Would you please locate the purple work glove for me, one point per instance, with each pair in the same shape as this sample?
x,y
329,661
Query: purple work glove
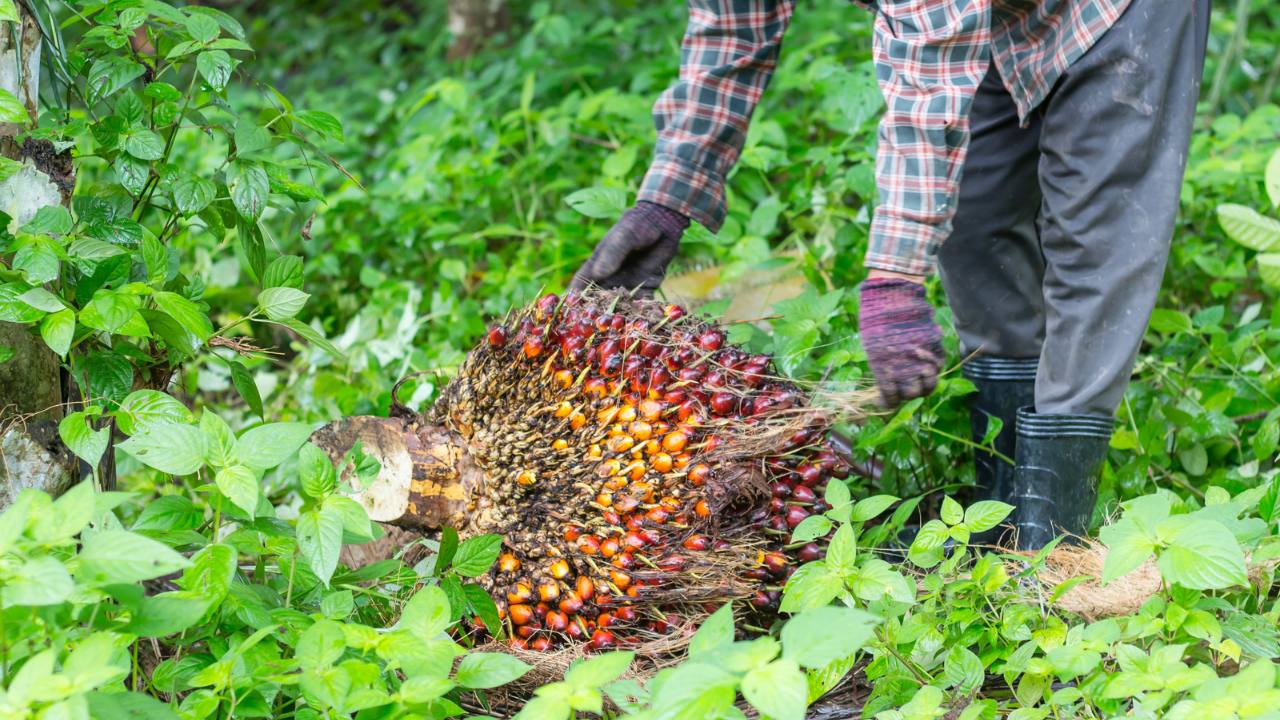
x,y
636,251
903,343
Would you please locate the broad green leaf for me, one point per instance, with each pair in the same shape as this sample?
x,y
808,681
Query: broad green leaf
x,y
778,690
215,67
168,613
282,303
321,645
1272,179
246,386
168,446
871,507
424,689
818,637
144,407
249,188
104,376
193,194
14,310
117,556
477,554
284,271
144,144
37,581
812,585
320,541
1269,268
87,444
41,299
316,472
320,121
313,336
963,670
49,220
171,512
203,28
355,519
240,485
1203,555
266,446
986,514
814,526
109,74
427,613
58,329
952,513
716,631
8,11
212,571
482,671
1249,227
1127,548
599,671
11,109
186,313
877,579
599,202
842,552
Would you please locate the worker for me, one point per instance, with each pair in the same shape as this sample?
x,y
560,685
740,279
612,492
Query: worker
x,y
1030,150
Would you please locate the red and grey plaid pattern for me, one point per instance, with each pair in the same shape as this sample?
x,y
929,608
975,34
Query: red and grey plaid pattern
x,y
930,57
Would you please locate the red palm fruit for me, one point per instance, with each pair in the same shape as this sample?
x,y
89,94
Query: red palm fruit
x,y
777,505
620,580
610,365
585,588
635,522
520,593
497,336
624,561
674,312
781,490
572,533
778,523
650,349
626,613
809,474
606,619
702,509
711,340
761,600
796,515
697,542
672,563
723,403
575,630
657,515
559,569
626,503
756,573
520,614
650,410
556,621
775,562
540,610
609,547
518,643
662,462
601,640
699,473
540,644
547,303
610,516
809,553
589,545
532,347
650,535
508,563
675,441
570,605
549,592
595,387
617,323
803,494
634,540
641,430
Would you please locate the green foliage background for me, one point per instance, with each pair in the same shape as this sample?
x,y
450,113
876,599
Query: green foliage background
x,y
319,181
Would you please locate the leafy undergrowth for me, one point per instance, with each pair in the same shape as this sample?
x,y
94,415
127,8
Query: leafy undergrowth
x,y
367,218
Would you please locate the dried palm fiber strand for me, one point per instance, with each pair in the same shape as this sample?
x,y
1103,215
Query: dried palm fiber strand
x,y
641,470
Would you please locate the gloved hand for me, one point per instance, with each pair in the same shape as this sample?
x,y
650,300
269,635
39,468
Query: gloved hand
x,y
903,343
636,251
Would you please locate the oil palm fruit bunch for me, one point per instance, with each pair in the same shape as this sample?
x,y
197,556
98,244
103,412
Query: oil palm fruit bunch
x,y
639,467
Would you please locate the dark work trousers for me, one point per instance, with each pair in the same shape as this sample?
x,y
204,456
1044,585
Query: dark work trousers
x,y
1062,230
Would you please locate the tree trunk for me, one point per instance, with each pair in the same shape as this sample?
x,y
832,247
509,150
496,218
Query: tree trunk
x,y
471,22
31,396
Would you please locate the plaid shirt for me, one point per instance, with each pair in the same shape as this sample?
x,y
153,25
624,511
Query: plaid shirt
x,y
930,56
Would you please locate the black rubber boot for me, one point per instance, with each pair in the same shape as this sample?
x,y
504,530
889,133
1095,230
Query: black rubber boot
x,y
1055,480
1004,385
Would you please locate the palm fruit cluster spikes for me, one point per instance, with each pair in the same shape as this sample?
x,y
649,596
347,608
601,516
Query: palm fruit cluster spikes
x,y
606,427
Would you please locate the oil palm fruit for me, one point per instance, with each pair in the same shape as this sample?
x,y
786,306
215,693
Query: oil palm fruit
x,y
637,464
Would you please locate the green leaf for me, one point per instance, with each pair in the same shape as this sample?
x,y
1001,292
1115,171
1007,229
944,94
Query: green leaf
x,y
1269,268
282,303
193,194
52,220
1170,322
144,144
58,330
168,613
871,507
952,513
171,512
818,637
877,579
814,526
477,554
316,472
313,336
599,671
144,407
427,613
1249,227
168,446
203,28
109,74
8,11
37,581
240,485
212,571
11,109
778,690
842,552
1272,179
963,670
715,632
186,313
320,121
812,585
483,671
1127,548
599,202
284,271
117,556
321,645
249,188
215,67
246,386
1203,555
104,377
320,541
266,446
14,310
424,689
986,514
355,519
87,444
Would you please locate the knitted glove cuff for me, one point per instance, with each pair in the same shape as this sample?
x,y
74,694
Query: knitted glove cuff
x,y
670,222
